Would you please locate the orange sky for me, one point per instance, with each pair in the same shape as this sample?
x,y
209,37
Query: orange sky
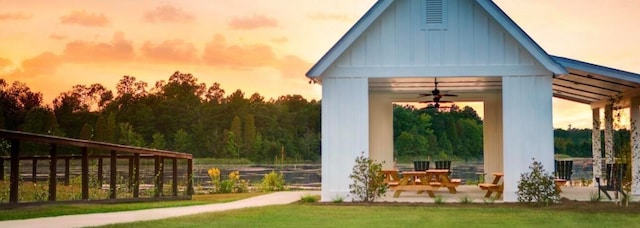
x,y
260,46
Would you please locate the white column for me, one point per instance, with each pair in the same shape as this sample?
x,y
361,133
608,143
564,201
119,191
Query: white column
x,y
608,134
635,142
596,145
492,135
527,127
381,130
345,132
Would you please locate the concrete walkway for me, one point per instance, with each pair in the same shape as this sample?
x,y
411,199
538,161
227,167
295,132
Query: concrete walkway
x,y
99,219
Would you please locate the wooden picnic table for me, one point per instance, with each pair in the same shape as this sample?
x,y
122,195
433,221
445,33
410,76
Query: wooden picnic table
x,y
414,181
441,177
495,186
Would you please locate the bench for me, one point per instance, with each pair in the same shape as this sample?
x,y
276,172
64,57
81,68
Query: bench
x,y
491,188
419,188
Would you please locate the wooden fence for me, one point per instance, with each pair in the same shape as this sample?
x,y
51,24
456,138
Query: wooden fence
x,y
132,154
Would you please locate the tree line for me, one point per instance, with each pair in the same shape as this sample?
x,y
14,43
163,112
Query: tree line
x,y
182,114
179,114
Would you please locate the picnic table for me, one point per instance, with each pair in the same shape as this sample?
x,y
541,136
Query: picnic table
x,y
441,177
495,186
414,181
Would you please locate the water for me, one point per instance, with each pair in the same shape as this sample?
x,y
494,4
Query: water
x,y
296,175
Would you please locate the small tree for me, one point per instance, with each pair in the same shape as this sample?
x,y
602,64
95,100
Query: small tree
x,y
368,180
537,186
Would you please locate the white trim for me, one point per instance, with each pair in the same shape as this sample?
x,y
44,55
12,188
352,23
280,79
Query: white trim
x,y
439,71
597,69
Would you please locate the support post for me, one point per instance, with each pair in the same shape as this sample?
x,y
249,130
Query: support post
x,y
34,169
158,176
174,176
190,176
130,179
596,146
53,171
67,160
113,180
1,168
15,171
85,174
608,134
136,175
100,171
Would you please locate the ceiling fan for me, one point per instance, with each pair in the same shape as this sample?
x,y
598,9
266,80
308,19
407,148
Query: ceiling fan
x,y
437,96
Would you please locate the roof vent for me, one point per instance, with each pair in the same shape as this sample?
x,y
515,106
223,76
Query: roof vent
x,y
433,14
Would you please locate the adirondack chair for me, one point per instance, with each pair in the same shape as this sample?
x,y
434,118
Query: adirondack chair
x,y
563,172
444,165
420,165
614,175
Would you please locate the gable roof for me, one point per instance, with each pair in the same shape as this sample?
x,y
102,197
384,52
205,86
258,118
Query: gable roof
x,y
381,6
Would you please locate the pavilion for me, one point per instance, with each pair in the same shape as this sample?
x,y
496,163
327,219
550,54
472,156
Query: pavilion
x,y
475,50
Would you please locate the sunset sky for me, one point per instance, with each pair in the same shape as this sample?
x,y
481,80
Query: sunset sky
x,y
260,46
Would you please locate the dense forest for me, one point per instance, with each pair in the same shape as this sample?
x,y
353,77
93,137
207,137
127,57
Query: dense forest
x,y
182,114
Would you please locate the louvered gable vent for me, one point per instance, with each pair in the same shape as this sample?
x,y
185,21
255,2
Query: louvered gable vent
x,y
433,14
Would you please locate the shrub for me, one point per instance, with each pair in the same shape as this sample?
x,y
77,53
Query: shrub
x,y
465,200
309,199
232,184
338,199
537,187
368,180
273,181
438,200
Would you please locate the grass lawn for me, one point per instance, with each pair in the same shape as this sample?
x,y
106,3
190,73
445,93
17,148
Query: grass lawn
x,y
69,209
472,215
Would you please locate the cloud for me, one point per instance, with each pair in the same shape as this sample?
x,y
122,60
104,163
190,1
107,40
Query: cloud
x,y
119,49
218,53
168,13
292,66
56,36
43,64
253,22
4,63
85,19
176,50
332,17
280,40
14,16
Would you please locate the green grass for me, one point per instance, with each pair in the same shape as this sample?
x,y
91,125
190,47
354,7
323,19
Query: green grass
x,y
305,215
70,209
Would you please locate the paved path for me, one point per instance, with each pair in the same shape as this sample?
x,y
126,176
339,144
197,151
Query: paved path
x,y
99,219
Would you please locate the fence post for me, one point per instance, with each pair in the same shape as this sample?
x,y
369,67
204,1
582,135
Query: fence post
x,y
85,174
67,160
158,176
130,179
189,176
113,174
34,169
1,168
53,171
136,175
174,182
15,171
100,171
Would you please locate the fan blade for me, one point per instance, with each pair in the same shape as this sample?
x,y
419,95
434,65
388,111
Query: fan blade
x,y
425,94
445,102
449,95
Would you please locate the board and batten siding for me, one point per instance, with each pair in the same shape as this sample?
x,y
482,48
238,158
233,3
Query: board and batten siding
x,y
345,132
527,127
472,43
